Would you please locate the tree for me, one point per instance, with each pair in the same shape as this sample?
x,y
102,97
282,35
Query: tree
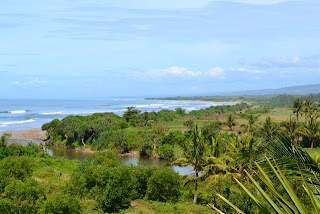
x,y
119,191
180,111
252,119
281,190
297,108
268,128
307,109
164,185
3,140
311,130
194,154
290,128
231,121
131,115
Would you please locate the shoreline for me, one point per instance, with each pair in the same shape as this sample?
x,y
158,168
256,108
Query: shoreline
x,y
24,136
37,136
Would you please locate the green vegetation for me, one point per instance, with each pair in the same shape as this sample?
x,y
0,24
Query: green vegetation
x,y
281,100
245,159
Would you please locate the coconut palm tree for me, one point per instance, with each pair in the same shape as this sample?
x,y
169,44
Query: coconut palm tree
x,y
307,109
297,163
231,121
297,108
311,130
268,128
290,128
194,154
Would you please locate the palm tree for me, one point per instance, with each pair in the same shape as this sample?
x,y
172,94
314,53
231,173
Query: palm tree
x,y
290,128
279,203
307,109
268,129
194,154
297,163
297,108
230,121
311,130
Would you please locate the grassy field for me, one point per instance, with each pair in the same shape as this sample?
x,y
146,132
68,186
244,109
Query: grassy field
x,y
277,115
153,207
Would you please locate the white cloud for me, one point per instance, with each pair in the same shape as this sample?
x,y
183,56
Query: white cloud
x,y
246,70
285,62
216,72
164,4
179,71
176,4
33,82
182,72
263,2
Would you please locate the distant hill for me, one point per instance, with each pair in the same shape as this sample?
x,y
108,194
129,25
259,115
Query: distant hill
x,y
295,90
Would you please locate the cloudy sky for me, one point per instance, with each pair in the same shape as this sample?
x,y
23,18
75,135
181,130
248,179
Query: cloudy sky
x,y
143,48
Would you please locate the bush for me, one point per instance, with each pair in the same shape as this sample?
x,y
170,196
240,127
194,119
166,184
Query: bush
x,y
61,204
164,185
119,190
22,197
167,152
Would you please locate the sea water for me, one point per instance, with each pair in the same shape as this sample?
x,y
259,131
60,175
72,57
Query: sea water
x,y
26,114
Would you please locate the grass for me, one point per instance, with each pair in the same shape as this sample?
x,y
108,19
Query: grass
x,y
313,152
154,207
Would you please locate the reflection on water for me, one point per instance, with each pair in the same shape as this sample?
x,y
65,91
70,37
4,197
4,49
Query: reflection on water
x,y
137,161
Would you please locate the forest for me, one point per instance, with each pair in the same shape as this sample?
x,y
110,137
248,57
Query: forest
x,y
246,159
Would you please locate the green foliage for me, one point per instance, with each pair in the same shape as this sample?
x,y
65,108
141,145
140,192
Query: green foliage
x,y
225,186
211,130
189,124
3,143
82,129
219,109
173,138
259,110
119,191
131,115
155,207
164,185
180,111
61,204
23,196
14,167
167,152
231,121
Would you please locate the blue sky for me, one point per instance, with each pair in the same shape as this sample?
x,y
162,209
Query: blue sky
x,y
148,48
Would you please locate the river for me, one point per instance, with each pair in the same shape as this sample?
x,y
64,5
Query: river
x,y
137,161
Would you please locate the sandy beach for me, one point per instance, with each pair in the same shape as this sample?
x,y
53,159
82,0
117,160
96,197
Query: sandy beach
x,y
26,135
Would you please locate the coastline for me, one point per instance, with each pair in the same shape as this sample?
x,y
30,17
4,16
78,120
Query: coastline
x,y
37,136
24,136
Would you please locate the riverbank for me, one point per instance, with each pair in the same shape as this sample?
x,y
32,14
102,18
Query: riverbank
x,y
38,136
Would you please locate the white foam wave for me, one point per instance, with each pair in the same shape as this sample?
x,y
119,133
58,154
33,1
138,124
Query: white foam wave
x,y
16,122
51,113
139,106
18,112
156,104
190,108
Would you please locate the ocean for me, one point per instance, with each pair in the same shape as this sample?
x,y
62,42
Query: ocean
x,y
27,114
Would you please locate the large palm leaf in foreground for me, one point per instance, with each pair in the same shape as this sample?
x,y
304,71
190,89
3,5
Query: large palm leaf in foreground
x,y
291,161
279,203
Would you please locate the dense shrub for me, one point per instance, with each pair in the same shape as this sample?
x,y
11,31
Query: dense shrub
x,y
61,204
164,185
167,152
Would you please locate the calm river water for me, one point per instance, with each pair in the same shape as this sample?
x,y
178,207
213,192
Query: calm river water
x,y
137,161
